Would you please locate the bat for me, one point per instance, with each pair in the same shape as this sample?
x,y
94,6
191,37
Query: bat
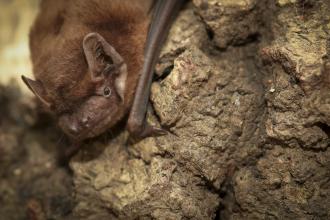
x,y
93,62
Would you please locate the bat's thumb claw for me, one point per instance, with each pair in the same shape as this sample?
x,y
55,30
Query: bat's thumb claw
x,y
147,130
153,131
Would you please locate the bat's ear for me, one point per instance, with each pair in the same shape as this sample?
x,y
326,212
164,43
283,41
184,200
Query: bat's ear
x,y
38,89
104,61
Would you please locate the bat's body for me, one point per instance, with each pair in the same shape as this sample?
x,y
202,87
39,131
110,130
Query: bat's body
x,y
93,61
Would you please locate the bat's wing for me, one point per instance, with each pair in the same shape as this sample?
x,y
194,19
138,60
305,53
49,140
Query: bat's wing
x,y
164,12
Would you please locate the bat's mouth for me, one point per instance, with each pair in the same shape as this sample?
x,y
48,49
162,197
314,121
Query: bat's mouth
x,y
79,127
92,118
80,130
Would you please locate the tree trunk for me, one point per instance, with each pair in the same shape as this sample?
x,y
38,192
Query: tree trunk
x,y
247,104
243,87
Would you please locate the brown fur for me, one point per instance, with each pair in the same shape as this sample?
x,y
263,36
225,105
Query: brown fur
x,y
56,45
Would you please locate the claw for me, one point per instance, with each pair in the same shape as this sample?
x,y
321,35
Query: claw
x,y
153,131
146,130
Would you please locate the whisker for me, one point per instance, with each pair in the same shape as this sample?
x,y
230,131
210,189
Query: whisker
x,y
60,139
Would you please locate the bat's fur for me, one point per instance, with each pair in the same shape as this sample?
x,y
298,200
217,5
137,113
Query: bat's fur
x,y
56,45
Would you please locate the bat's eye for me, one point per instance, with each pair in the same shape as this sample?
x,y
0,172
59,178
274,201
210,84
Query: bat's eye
x,y
107,92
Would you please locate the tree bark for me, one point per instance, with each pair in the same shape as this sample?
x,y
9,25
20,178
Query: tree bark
x,y
247,104
244,89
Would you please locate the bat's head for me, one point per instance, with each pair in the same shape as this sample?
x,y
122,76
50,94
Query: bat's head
x,y
92,101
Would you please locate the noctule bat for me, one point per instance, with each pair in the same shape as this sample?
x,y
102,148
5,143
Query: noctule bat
x,y
93,62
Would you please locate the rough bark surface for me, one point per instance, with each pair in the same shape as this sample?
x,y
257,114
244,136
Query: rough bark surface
x,y
247,104
32,184
244,89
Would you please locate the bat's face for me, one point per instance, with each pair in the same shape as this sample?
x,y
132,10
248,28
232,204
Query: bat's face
x,y
90,108
94,115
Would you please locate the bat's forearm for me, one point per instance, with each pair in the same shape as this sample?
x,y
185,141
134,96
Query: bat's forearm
x,y
164,13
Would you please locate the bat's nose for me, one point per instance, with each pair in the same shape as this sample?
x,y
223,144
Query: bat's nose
x,y
73,129
85,121
71,126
